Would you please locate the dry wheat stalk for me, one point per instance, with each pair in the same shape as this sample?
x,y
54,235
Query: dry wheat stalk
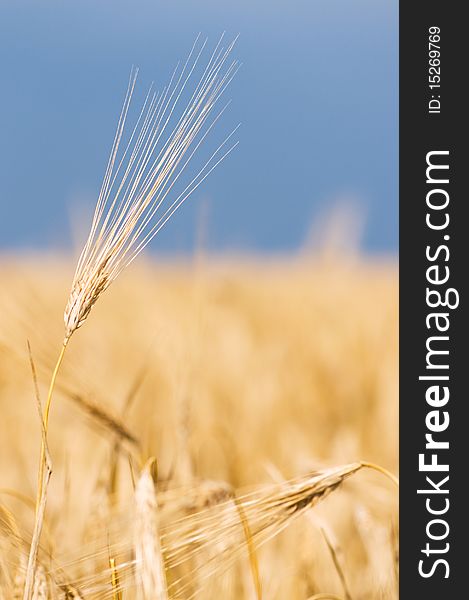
x,y
138,196
45,472
267,511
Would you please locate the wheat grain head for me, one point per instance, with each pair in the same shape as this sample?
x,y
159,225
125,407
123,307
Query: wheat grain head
x,y
149,562
138,193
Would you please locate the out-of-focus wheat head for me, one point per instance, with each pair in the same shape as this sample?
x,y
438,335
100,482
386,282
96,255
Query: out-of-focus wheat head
x,y
150,571
139,190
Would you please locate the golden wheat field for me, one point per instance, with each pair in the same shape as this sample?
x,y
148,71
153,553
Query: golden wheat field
x,y
257,385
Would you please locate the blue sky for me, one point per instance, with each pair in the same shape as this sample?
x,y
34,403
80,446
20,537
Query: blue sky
x,y
316,96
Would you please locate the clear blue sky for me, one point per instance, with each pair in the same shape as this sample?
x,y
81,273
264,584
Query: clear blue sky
x,y
316,96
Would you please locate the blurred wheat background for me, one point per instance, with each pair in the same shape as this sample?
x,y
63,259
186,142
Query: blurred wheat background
x,y
236,375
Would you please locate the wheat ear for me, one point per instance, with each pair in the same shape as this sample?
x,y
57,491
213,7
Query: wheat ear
x,y
149,562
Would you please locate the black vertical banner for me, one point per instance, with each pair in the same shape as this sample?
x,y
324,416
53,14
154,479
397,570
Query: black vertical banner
x,y
434,267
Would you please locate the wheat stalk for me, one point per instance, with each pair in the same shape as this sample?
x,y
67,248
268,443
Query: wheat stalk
x,y
267,512
138,196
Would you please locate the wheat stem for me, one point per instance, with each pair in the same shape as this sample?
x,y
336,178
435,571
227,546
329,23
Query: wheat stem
x,y
44,473
382,470
42,459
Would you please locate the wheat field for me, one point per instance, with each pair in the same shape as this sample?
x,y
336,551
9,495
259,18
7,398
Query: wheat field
x,y
206,432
